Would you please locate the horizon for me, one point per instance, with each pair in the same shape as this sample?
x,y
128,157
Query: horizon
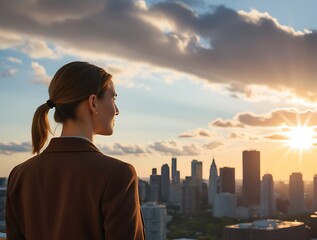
x,y
196,79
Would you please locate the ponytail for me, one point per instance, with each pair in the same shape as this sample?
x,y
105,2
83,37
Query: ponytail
x,y
71,84
40,127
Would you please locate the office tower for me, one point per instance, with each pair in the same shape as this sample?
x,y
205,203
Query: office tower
x,y
155,221
225,205
197,170
269,229
155,186
315,194
175,194
296,194
251,178
174,168
165,183
213,182
227,180
190,195
144,191
267,196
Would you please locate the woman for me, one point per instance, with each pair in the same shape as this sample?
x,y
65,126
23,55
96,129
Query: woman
x,y
71,190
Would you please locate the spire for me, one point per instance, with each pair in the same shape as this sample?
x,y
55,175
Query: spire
x,y
213,165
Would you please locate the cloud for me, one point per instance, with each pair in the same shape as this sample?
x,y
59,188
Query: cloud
x,y
277,136
8,73
222,46
38,49
11,148
40,73
119,149
14,60
275,118
213,145
225,123
198,133
174,148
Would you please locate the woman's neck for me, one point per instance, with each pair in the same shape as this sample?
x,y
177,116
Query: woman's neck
x,y
74,128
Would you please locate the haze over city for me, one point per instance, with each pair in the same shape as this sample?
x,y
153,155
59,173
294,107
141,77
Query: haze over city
x,y
196,79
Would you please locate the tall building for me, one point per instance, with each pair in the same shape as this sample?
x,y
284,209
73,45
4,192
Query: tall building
x,y
175,194
251,178
225,205
144,191
165,183
155,221
190,195
268,206
315,194
213,182
197,170
227,180
266,230
155,186
296,194
174,168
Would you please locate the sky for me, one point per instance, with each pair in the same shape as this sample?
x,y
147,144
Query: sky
x,y
196,79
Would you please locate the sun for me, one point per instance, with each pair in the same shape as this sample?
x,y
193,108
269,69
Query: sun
x,y
301,137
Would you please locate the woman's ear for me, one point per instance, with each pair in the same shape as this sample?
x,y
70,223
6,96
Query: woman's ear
x,y
92,101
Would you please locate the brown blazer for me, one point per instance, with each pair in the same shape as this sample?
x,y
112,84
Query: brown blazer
x,y
72,191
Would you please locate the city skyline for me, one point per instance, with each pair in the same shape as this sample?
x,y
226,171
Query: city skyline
x,y
195,79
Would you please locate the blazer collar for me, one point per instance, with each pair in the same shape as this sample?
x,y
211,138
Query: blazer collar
x,y
70,144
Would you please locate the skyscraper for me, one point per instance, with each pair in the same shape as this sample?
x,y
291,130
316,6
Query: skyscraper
x,y
213,182
268,206
251,178
155,221
190,195
155,186
227,180
174,168
175,194
296,194
165,183
197,170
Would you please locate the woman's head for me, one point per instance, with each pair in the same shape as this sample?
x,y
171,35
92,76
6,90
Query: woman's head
x,y
72,84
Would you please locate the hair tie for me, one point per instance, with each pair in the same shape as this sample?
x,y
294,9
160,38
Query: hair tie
x,y
50,103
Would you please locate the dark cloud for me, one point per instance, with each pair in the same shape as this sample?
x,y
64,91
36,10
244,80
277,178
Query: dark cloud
x,y
276,118
11,148
222,46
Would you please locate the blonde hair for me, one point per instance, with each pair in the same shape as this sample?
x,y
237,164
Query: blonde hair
x,y
72,83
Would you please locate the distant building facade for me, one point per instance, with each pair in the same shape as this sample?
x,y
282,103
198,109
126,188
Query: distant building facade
x,y
296,194
190,195
155,221
155,186
165,183
266,230
268,205
225,205
251,178
227,180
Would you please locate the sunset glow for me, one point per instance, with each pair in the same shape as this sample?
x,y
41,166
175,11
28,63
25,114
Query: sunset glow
x,y
301,137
